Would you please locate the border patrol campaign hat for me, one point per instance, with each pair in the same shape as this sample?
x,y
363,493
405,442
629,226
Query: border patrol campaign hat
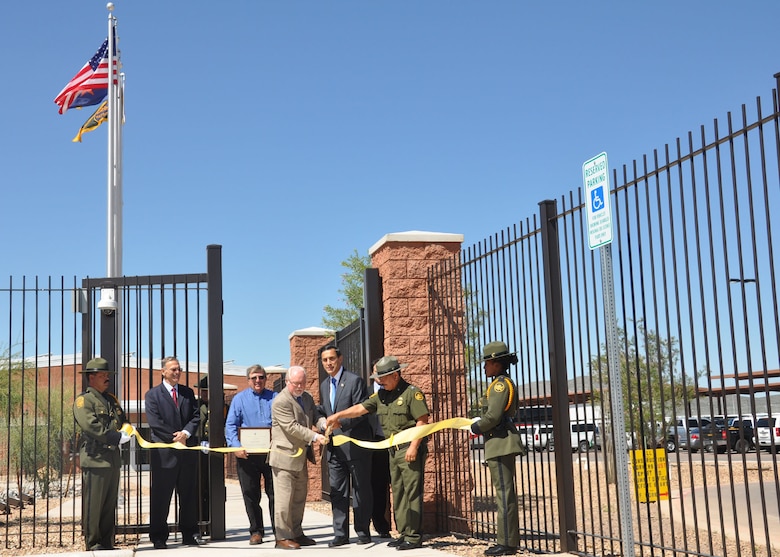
x,y
387,365
493,350
95,365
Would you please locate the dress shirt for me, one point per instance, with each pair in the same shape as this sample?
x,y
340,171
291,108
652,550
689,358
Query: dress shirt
x,y
248,409
170,388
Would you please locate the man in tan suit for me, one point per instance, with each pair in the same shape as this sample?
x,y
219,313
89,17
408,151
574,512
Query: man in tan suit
x,y
292,436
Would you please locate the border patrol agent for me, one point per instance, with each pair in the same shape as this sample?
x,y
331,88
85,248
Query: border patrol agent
x,y
399,406
99,416
498,407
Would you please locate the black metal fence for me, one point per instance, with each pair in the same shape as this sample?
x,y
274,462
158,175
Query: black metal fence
x,y
49,330
698,334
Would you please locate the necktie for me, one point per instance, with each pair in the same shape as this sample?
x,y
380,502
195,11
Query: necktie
x,y
332,393
300,401
175,397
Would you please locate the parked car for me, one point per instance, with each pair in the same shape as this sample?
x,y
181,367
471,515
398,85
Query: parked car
x,y
768,432
535,436
740,434
677,435
585,436
710,437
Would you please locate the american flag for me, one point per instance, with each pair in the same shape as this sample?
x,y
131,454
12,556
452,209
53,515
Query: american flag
x,y
89,86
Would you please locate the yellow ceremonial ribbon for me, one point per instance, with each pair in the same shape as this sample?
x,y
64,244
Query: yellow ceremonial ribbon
x,y
407,435
131,430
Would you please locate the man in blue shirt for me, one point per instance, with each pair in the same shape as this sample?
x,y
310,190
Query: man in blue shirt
x,y
252,408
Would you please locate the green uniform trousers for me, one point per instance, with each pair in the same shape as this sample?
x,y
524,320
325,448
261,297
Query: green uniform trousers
x,y
502,474
98,511
406,479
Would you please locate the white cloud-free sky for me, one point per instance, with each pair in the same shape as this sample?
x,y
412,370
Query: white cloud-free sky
x,y
292,132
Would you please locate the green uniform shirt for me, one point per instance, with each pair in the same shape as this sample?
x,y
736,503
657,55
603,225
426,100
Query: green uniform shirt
x,y
398,409
498,406
99,416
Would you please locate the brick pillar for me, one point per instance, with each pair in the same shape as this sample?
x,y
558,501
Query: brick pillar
x,y
403,260
304,344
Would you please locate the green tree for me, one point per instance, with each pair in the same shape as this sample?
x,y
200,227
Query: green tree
x,y
352,282
37,424
654,389
475,319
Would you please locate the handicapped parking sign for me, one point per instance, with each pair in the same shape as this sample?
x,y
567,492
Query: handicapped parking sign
x,y
595,179
597,199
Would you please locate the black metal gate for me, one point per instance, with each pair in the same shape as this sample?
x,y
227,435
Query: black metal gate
x,y
360,343
133,322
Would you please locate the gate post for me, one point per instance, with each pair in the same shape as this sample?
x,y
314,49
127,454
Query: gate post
x,y
402,260
559,386
216,403
375,331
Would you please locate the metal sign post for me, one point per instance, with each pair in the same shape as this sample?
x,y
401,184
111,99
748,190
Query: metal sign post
x,y
595,178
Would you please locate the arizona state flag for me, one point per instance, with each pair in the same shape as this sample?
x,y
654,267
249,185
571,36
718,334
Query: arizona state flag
x,y
100,116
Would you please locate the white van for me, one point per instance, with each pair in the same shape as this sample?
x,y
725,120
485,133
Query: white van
x,y
585,436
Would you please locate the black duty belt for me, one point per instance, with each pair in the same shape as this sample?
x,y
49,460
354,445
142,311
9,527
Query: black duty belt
x,y
395,448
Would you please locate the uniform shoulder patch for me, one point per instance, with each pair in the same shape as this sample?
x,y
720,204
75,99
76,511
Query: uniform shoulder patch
x,y
80,402
419,396
499,387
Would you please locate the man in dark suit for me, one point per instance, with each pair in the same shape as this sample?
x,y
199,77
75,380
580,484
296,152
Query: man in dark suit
x,y
341,390
292,434
173,416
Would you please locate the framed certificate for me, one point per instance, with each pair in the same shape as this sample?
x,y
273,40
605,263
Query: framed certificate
x,y
255,439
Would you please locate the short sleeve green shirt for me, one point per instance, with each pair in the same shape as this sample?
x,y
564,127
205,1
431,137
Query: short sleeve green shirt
x,y
398,409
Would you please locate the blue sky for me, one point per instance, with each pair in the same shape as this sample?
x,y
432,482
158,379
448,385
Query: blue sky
x,y
293,132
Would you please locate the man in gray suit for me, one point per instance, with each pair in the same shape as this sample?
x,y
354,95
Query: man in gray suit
x,y
341,390
292,434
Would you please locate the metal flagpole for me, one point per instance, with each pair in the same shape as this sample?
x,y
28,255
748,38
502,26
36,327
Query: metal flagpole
x,y
110,298
111,270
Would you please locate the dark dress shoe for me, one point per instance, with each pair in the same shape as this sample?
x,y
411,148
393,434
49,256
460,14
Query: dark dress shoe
x,y
255,539
408,545
338,542
287,544
500,550
363,540
395,543
305,541
160,544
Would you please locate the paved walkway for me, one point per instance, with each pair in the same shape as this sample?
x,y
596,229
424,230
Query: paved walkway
x,y
315,524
